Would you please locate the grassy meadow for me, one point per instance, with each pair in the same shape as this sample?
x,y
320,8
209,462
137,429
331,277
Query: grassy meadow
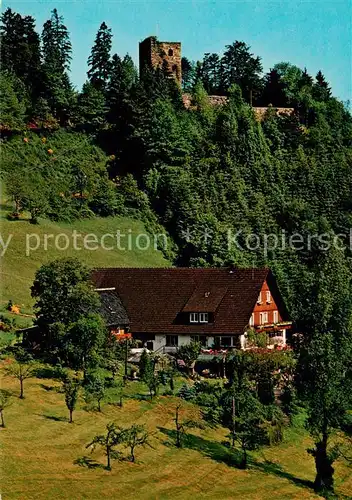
x,y
17,269
39,448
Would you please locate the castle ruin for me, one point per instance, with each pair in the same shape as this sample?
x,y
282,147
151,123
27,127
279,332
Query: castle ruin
x,y
167,55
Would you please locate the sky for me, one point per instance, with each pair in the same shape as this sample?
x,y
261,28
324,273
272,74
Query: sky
x,y
312,34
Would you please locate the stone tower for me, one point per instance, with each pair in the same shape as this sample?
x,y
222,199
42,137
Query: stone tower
x,y
154,54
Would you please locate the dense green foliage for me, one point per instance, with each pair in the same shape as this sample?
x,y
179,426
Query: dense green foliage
x,y
71,330
227,187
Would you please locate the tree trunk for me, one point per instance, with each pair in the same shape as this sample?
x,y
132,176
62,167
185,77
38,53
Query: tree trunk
x,y
126,358
2,419
233,421
121,403
99,406
324,479
132,454
108,465
21,391
178,437
71,416
178,433
243,464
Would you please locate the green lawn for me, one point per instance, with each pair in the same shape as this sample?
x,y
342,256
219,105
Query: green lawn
x,y
39,448
17,269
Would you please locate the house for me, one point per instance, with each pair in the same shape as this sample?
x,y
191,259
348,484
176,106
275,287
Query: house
x,y
169,307
113,312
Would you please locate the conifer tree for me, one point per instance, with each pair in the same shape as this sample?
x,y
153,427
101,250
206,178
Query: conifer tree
x,y
321,89
273,91
99,61
20,49
91,108
56,62
241,67
123,76
211,73
188,74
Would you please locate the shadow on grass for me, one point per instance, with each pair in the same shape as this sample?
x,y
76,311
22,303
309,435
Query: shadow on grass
x,y
49,372
88,462
277,470
141,397
50,388
55,418
232,457
211,449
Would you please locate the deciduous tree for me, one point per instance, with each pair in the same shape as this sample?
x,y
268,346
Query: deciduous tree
x,y
134,436
113,437
71,387
22,368
5,401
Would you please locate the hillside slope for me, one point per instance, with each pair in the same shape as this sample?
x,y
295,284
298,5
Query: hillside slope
x,y
22,258
40,449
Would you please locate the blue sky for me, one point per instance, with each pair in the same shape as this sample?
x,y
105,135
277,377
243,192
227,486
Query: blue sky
x,y
312,34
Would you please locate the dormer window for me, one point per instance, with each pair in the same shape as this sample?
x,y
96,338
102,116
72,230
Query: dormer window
x,y
259,301
203,318
198,317
193,318
268,297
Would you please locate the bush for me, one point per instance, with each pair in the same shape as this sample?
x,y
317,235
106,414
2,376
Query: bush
x,y
186,392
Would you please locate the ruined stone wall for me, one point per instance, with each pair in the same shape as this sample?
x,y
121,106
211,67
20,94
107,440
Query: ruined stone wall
x,y
154,54
220,100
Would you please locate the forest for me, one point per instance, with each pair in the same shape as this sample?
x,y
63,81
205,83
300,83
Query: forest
x,y
124,144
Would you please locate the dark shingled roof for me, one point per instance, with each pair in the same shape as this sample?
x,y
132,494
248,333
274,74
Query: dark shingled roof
x,y
156,298
112,308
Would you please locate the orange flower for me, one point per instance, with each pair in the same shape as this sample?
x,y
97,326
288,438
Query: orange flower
x,y
15,309
50,151
25,139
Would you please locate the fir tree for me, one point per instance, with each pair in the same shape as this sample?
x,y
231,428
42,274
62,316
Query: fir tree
x,y
273,91
241,67
91,108
188,74
321,89
20,49
211,73
99,60
56,62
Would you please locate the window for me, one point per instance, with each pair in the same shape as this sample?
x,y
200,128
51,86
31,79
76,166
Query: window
x,y
171,52
273,335
259,301
251,320
193,318
199,338
203,317
229,341
171,340
268,297
226,341
275,316
263,318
